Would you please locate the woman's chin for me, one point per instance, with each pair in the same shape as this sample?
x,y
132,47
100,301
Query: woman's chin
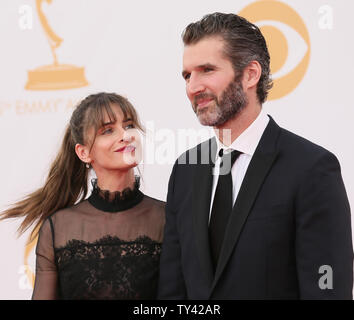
x,y
128,165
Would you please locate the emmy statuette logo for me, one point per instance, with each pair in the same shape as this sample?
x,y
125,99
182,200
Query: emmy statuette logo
x,y
55,76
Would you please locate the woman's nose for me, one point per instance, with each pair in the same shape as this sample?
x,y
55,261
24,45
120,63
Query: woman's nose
x,y
127,137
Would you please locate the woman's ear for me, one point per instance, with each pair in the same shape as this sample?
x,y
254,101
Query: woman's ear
x,y
83,153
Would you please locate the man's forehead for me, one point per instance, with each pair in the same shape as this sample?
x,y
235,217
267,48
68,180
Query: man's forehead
x,y
206,51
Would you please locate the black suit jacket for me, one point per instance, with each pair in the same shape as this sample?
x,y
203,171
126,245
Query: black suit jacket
x,y
291,217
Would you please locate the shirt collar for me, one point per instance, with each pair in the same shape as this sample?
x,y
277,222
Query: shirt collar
x,y
248,140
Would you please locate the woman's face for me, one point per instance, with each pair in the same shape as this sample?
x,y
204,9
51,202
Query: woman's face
x,y
117,144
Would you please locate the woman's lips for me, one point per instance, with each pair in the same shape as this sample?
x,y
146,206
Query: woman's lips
x,y
125,149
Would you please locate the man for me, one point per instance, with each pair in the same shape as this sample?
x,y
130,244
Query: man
x,y
278,225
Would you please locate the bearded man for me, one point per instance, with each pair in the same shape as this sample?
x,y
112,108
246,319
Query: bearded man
x,y
256,212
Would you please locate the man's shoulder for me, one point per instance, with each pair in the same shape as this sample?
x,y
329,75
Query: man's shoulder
x,y
199,154
291,141
302,151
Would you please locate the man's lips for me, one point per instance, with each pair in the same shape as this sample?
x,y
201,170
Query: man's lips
x,y
201,103
125,149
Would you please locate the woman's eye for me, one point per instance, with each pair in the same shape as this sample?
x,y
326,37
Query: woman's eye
x,y
129,126
106,131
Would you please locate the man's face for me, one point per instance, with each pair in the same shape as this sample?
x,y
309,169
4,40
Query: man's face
x,y
210,82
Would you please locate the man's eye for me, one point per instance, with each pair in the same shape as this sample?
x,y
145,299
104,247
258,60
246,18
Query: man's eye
x,y
208,69
129,126
187,76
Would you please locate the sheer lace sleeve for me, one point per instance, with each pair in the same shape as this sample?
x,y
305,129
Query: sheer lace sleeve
x,y
46,281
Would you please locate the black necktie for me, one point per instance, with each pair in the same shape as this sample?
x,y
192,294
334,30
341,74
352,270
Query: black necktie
x,y
222,205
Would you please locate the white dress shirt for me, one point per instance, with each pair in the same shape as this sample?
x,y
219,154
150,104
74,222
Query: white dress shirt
x,y
246,143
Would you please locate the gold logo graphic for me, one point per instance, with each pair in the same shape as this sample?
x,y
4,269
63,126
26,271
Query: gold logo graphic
x,y
273,10
55,76
29,247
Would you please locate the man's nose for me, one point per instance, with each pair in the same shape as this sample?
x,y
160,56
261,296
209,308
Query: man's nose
x,y
195,85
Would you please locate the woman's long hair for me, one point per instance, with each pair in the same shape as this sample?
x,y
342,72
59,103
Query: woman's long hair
x,y
67,179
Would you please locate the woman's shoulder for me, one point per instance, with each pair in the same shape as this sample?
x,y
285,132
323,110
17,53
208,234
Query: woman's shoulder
x,y
70,211
154,216
154,206
155,202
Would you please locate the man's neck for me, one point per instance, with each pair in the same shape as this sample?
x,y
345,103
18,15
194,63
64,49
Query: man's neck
x,y
233,128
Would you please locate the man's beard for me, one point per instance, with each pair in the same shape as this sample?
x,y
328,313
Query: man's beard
x,y
232,101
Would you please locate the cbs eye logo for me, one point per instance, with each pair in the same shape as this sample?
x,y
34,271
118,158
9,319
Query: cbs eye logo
x,y
274,19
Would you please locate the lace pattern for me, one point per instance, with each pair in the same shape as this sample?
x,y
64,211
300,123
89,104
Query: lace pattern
x,y
108,201
109,268
117,196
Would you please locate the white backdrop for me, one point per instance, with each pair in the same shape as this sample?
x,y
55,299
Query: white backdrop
x,y
134,48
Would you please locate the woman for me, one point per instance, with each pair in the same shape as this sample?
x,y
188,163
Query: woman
x,y
107,246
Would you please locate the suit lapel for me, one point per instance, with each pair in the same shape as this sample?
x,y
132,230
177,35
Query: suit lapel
x,y
258,168
203,181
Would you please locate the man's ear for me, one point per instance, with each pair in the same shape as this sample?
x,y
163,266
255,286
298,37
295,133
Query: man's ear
x,y
251,75
83,153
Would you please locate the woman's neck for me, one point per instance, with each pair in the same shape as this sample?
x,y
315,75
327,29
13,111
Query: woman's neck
x,y
116,181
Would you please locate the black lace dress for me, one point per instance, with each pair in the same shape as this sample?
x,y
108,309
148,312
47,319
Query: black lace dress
x,y
105,247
